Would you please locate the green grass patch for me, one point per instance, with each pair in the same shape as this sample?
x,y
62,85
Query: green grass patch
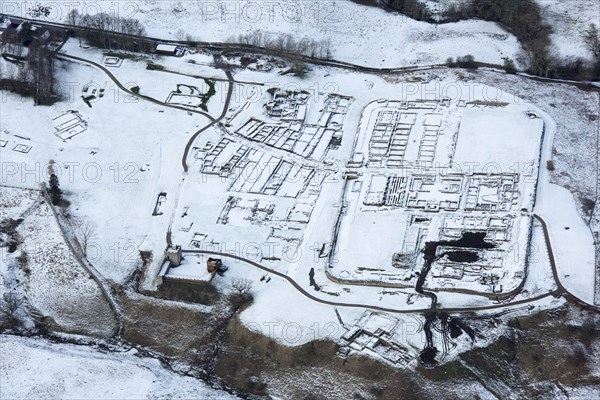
x,y
155,67
123,56
210,93
195,91
446,372
190,87
211,89
488,103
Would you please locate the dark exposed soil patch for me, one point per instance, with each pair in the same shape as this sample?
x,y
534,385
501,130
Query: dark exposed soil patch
x,y
311,277
187,292
462,256
449,327
9,228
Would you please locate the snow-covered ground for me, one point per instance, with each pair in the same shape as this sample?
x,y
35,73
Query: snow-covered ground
x,y
393,39
57,286
459,141
358,34
569,19
574,155
138,147
39,369
571,238
132,72
218,227
128,152
45,275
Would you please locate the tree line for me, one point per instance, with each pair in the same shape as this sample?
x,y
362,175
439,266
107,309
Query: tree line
x,y
285,43
29,69
110,31
522,18
411,8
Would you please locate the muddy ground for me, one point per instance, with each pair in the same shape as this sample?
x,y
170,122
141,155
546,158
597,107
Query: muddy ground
x,y
540,356
544,355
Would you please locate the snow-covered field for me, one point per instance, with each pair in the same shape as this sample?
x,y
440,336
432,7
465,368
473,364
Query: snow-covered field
x,y
416,203
57,285
123,159
50,281
222,224
393,40
574,155
133,72
329,192
38,369
569,19
111,172
121,202
571,237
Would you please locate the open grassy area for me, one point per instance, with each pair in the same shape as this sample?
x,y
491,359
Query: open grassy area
x,y
124,56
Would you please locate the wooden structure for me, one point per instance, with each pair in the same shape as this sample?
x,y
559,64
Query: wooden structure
x,y
213,265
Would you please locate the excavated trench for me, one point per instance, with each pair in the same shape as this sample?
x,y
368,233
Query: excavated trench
x,y
449,327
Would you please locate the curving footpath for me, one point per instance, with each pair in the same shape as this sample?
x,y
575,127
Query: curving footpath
x,y
214,121
372,307
242,47
68,57
561,289
103,284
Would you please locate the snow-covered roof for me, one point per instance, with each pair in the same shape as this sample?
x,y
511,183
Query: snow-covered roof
x,y
166,47
5,23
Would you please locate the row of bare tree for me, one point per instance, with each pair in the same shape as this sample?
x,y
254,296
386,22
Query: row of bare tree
x,y
414,9
110,31
542,59
286,43
28,71
524,19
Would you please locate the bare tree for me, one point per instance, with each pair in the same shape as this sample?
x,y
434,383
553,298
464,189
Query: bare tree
x,y
41,62
241,292
86,233
180,34
9,306
286,43
591,38
23,73
299,67
106,30
73,17
241,285
11,72
540,58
